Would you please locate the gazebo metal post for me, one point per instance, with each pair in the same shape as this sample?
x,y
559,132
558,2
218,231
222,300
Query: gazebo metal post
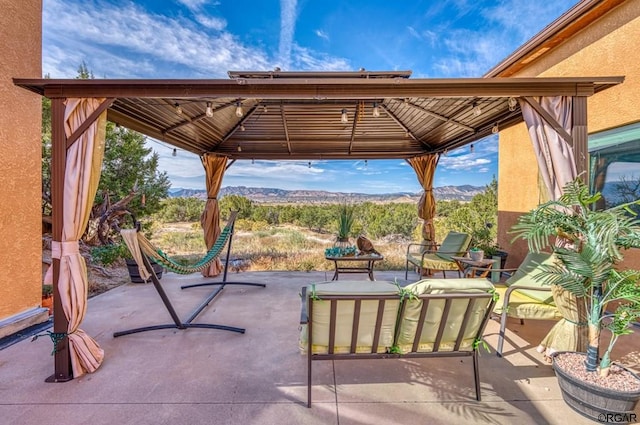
x,y
62,362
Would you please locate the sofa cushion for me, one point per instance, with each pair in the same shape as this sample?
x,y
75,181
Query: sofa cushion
x,y
434,315
345,313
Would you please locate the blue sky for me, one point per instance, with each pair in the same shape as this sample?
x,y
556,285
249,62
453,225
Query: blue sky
x,y
206,38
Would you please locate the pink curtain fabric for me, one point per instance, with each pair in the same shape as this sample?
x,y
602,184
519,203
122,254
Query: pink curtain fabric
x,y
210,219
84,161
557,167
555,157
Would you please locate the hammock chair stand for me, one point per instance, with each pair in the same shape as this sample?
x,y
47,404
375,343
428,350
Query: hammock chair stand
x,y
177,322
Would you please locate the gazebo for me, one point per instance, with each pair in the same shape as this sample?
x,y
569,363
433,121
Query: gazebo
x,y
287,115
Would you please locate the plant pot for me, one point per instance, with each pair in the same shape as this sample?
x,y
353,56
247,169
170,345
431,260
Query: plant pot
x,y
476,255
47,302
594,402
134,274
342,243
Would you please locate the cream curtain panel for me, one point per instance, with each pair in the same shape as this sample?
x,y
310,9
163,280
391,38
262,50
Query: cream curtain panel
x,y
210,219
425,168
82,173
557,167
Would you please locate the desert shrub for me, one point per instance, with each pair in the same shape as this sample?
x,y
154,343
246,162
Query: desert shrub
x,y
180,209
109,254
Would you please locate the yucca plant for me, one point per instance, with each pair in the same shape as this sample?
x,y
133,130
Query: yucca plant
x,y
588,244
345,221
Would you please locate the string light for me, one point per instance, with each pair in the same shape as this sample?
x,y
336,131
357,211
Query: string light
x,y
239,111
309,164
512,104
239,148
209,110
495,129
242,127
471,148
264,109
178,108
175,152
476,110
253,161
365,164
343,117
376,110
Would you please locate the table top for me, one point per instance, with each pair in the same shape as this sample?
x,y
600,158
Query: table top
x,y
365,257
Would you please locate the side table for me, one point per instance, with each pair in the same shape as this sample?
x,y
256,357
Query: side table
x,y
467,266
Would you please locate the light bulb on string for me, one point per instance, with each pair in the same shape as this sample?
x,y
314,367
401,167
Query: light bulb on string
x,y
512,104
376,110
178,108
242,127
175,152
309,164
477,111
209,110
471,148
343,117
239,111
239,148
495,129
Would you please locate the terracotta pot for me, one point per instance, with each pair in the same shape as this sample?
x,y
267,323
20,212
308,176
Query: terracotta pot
x,y
47,302
595,402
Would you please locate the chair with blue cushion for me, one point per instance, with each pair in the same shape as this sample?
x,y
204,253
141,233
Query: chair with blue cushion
x,y
425,259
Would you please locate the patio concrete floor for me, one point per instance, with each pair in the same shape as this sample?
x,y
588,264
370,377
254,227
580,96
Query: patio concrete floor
x,y
203,376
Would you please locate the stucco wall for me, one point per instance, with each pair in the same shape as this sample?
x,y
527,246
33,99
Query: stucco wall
x,y
608,47
20,152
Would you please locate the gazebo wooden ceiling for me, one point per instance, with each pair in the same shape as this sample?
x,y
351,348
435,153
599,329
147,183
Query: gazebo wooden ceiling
x,y
297,115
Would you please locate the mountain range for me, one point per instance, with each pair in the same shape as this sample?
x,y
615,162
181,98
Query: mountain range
x,y
272,195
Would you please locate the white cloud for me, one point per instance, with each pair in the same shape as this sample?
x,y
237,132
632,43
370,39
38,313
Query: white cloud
x,y
307,59
213,23
467,162
197,4
287,29
96,28
322,34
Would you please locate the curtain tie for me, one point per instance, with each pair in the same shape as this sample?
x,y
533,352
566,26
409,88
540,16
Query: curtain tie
x,y
212,199
576,323
64,249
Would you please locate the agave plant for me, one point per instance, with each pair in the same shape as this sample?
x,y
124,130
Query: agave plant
x,y
588,244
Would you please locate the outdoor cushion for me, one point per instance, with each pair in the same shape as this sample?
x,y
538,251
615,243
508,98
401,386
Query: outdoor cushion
x,y
454,243
434,314
344,318
434,261
525,276
524,307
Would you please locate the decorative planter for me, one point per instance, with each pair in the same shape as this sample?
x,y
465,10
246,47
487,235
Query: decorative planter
x,y
134,274
342,243
595,402
476,255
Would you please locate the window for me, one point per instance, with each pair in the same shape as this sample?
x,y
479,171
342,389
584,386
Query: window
x,y
615,165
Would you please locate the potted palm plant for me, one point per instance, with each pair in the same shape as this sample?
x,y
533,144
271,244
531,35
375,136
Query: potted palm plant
x,y
589,245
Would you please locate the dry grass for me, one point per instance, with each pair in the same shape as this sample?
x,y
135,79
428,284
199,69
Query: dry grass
x,y
271,248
